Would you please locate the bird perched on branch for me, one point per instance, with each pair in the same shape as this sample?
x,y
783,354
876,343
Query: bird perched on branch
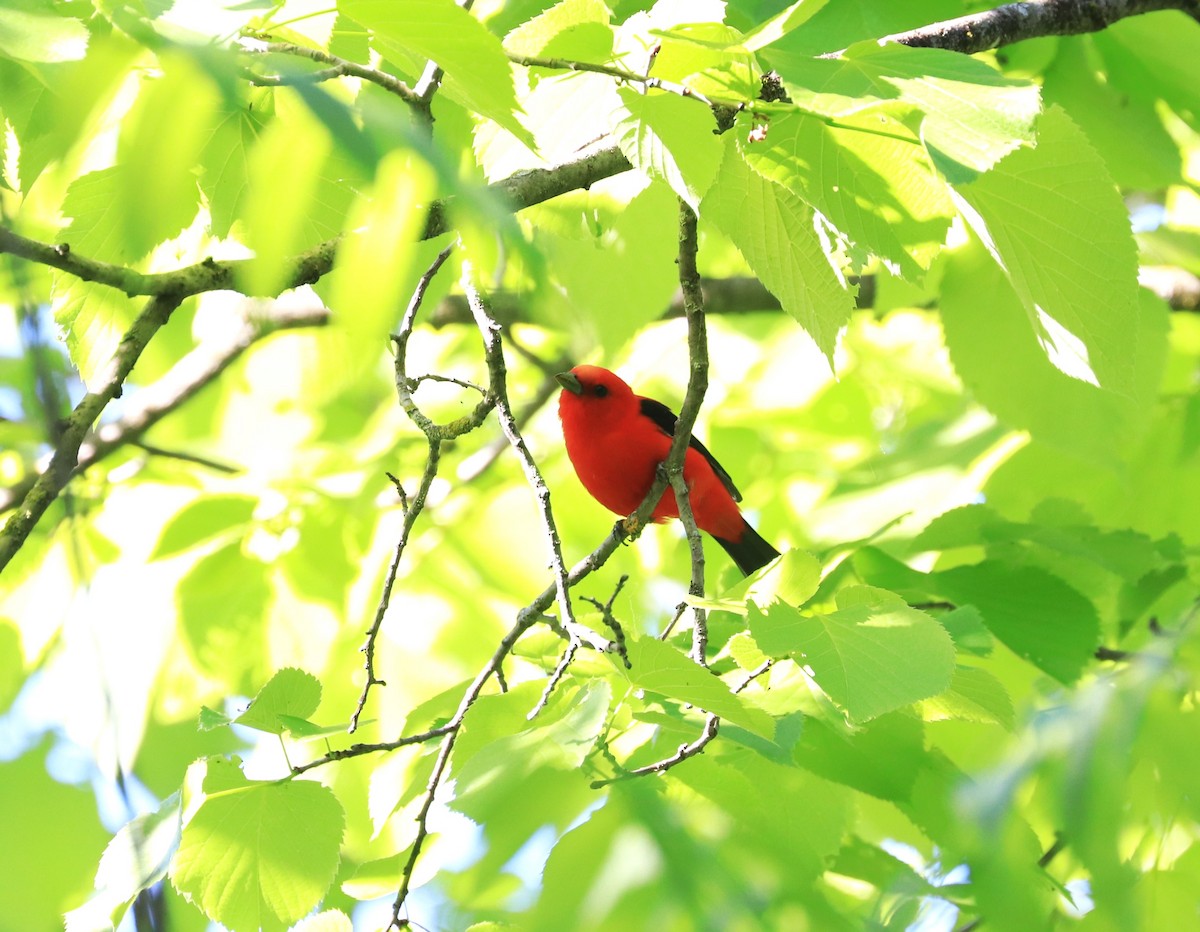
x,y
616,441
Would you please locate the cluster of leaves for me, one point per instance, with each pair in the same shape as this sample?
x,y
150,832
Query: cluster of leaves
x,y
967,685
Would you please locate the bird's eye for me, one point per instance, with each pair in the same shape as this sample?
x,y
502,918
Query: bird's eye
x,y
600,391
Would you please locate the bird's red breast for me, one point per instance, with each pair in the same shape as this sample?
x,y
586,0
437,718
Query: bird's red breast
x,y
616,439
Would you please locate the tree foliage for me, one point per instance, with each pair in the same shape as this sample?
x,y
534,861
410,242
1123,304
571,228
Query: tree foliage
x,y
306,621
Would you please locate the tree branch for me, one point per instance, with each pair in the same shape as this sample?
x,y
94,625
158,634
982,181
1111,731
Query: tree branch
x,y
189,375
66,454
1015,22
689,284
339,67
435,435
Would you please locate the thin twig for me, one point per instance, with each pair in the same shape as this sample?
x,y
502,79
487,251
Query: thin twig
x,y
606,613
435,435
339,67
560,671
753,675
689,283
623,74
711,726
359,750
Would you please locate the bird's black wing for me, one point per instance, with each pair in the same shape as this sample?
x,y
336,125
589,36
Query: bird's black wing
x,y
665,419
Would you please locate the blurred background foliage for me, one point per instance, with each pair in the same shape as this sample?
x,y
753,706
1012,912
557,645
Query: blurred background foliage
x,y
1005,436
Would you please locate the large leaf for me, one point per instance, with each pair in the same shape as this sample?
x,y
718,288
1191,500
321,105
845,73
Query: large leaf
x,y
660,668
443,31
1036,614
660,135
970,116
259,855
777,235
1054,221
896,208
222,611
873,655
986,323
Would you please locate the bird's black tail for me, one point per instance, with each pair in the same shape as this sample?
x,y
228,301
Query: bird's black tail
x,y
749,553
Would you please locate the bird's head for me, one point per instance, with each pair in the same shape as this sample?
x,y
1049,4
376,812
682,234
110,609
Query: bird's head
x,y
594,395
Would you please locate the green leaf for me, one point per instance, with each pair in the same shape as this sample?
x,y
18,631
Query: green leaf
x,y
95,317
135,859
775,232
984,320
660,135
473,59
211,719
873,655
50,106
897,207
222,604
661,669
33,35
618,278
882,758
289,692
1037,615
970,116
1126,129
499,768
974,696
802,818
259,855
37,813
160,145
968,631
573,29
283,177
12,663
1058,200
203,519
794,579
224,178
374,258
781,24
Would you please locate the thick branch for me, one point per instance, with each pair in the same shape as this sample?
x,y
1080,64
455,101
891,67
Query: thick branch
x,y
1015,22
66,454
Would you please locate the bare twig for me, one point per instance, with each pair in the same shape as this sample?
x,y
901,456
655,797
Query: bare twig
x,y
753,675
689,283
711,726
560,671
435,435
498,388
339,67
622,74
606,613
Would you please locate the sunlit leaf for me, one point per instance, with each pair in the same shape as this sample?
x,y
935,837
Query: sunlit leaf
x,y
289,692
660,668
760,217
260,855
873,655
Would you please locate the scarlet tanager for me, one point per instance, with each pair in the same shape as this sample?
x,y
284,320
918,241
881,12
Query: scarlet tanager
x,y
617,439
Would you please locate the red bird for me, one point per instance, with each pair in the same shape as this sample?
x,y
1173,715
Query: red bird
x,y
616,440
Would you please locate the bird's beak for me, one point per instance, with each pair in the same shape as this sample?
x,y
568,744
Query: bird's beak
x,y
570,381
